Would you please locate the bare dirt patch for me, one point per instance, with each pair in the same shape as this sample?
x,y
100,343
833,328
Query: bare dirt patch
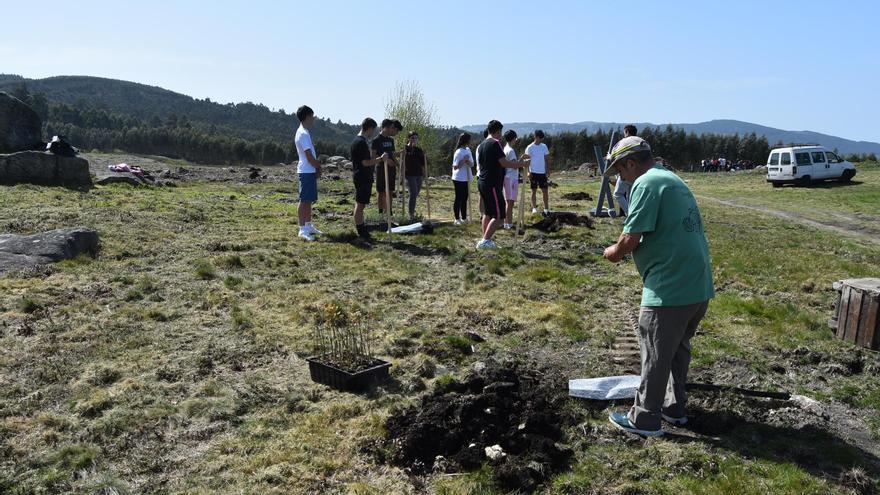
x,y
508,414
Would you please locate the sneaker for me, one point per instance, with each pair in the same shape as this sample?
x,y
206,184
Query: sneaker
x,y
312,229
457,222
486,244
546,211
675,421
534,210
305,234
621,421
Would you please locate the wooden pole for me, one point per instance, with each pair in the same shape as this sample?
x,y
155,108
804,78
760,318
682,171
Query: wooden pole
x,y
427,187
387,201
403,190
522,202
470,198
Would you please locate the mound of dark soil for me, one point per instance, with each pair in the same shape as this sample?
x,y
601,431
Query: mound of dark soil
x,y
553,221
511,405
577,196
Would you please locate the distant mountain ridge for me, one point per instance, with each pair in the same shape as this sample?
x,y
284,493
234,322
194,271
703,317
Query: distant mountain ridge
x,y
721,126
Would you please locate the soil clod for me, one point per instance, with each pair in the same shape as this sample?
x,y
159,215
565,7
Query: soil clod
x,y
553,221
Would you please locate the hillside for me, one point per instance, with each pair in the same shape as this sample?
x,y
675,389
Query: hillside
x,y
243,120
722,126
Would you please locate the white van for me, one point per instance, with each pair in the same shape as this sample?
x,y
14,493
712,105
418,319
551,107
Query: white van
x,y
803,164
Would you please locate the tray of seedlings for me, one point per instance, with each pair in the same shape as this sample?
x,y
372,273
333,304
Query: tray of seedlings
x,y
343,356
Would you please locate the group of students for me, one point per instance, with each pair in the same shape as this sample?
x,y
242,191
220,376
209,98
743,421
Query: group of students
x,y
496,169
465,168
367,151
498,173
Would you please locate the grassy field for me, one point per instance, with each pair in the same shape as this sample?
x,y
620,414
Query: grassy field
x,y
173,363
852,206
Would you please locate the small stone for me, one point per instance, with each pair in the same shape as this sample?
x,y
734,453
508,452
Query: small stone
x,y
495,452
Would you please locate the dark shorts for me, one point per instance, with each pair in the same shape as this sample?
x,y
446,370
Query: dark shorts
x,y
493,199
363,189
538,180
380,178
308,188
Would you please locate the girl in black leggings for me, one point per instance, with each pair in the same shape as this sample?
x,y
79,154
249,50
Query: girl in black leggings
x,y
461,177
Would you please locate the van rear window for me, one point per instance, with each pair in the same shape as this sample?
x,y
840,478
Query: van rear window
x,y
786,158
774,159
802,158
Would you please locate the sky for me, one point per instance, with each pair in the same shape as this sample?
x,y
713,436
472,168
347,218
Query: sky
x,y
805,65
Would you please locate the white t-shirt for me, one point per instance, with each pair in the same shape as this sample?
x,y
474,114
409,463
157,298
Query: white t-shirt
x,y
537,152
622,187
477,159
303,142
463,174
510,154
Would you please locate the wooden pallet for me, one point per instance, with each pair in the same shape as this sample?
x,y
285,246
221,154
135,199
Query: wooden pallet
x,y
857,312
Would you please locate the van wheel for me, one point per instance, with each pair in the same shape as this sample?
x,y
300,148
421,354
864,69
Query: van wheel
x,y
777,184
805,180
847,176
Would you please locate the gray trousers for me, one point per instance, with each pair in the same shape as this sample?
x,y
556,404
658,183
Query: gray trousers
x,y
414,184
665,340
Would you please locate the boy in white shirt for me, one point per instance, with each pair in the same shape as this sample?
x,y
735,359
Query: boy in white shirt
x,y
511,178
539,170
308,170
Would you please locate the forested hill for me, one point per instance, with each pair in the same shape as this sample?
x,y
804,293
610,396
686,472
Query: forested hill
x,y
151,103
107,114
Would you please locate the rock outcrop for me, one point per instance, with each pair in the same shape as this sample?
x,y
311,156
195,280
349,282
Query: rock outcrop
x,y
23,252
20,126
39,167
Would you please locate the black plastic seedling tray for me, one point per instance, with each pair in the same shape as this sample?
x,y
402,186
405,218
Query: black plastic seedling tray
x,y
333,377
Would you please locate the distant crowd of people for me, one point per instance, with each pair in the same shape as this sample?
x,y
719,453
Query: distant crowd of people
x,y
722,164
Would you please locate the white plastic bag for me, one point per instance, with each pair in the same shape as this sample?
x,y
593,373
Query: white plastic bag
x,y
605,388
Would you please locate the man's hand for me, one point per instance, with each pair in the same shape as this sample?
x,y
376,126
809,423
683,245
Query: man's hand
x,y
626,244
612,253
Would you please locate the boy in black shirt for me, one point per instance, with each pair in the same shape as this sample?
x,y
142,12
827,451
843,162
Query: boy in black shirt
x,y
384,143
362,166
490,182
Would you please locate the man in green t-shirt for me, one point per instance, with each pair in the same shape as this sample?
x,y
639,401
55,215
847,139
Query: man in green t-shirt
x,y
664,233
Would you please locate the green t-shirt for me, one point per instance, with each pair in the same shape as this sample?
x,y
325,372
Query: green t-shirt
x,y
673,256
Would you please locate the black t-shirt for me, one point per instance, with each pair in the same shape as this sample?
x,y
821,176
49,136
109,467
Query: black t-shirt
x,y
383,144
360,152
415,161
491,171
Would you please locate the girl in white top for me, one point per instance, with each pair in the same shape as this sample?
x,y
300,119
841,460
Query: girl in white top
x,y
462,161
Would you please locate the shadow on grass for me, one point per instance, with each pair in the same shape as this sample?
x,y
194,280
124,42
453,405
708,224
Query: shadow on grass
x,y
825,184
812,448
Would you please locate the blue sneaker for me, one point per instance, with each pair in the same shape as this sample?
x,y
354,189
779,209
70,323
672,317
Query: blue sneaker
x,y
621,421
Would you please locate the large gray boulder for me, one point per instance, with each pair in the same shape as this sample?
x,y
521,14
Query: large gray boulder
x,y
20,126
22,252
39,167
